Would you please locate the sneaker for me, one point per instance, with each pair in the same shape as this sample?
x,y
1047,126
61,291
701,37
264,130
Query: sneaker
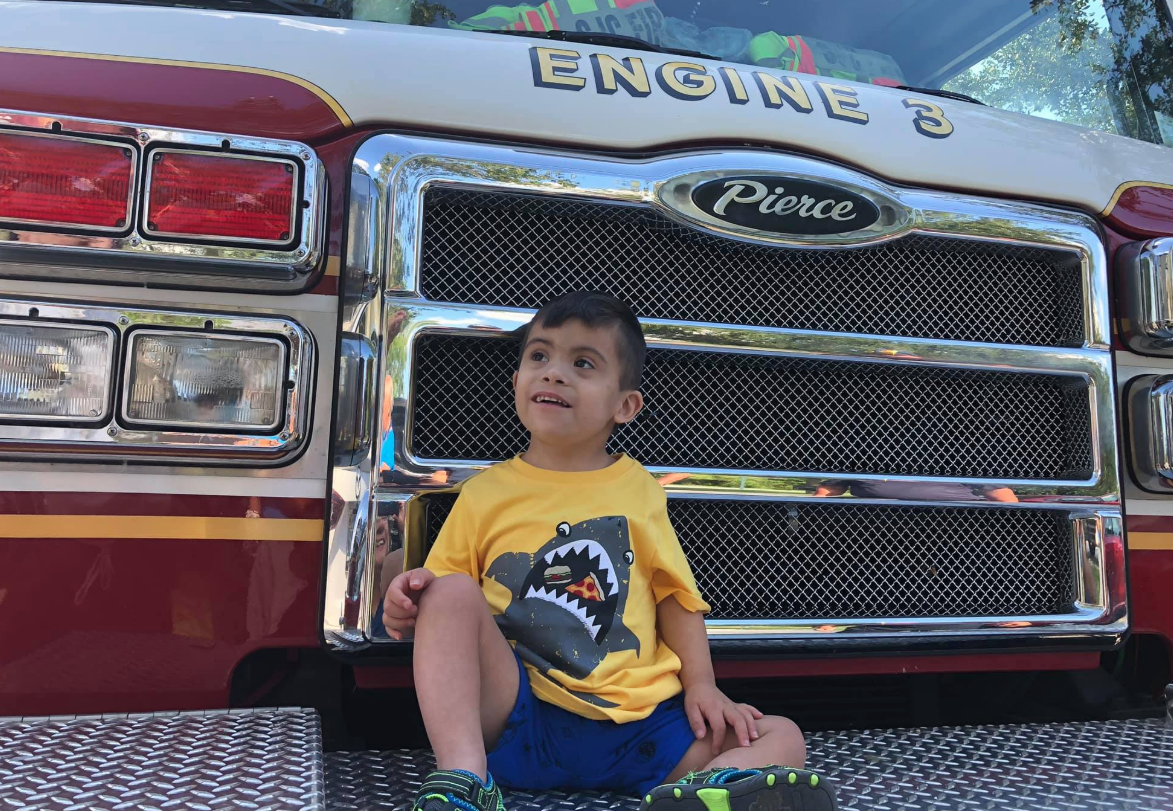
x,y
772,788
449,790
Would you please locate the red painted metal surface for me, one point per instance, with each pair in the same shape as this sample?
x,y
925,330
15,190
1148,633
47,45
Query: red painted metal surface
x,y
1151,573
164,95
1143,211
336,158
159,504
125,625
1151,523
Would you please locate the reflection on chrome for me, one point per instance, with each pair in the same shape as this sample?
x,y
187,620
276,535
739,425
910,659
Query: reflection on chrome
x,y
384,306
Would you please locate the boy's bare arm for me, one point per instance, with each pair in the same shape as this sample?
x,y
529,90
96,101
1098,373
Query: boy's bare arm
x,y
684,632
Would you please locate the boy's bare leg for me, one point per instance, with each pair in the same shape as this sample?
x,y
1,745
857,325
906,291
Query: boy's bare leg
x,y
466,676
779,743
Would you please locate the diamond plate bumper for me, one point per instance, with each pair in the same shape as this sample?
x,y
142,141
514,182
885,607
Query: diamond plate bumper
x,y
264,759
1111,766
272,759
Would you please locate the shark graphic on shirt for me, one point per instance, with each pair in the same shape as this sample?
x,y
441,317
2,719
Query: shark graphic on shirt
x,y
569,598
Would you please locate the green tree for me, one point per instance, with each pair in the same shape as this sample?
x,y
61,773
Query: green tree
x,y
1104,64
425,13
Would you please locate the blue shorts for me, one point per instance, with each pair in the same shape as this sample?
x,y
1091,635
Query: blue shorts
x,y
547,747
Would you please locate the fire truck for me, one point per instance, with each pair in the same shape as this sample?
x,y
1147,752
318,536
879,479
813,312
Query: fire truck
x,y
906,274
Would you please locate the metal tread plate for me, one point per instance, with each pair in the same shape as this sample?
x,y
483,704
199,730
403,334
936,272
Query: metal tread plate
x,y
242,759
1088,766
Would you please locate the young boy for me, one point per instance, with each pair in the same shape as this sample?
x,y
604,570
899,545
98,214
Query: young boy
x,y
567,553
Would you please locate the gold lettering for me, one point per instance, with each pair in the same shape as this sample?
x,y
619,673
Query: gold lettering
x,y
553,67
685,80
788,90
610,73
841,102
930,119
734,85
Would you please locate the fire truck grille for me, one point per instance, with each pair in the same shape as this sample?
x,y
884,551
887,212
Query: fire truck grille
x,y
736,411
516,250
770,560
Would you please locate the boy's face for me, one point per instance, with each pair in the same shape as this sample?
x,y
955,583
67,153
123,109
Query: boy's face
x,y
568,387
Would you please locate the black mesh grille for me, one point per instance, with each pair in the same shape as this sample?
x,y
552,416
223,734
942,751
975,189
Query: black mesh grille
x,y
769,560
724,410
513,250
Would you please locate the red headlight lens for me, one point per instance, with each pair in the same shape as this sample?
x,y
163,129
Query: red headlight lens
x,y
206,196
58,180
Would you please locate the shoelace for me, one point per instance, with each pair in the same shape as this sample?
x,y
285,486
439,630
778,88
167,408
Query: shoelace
x,y
727,775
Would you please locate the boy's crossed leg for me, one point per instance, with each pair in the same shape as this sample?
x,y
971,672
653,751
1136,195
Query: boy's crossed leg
x,y
767,775
466,701
779,742
466,673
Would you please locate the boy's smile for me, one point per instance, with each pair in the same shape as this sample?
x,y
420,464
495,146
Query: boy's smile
x,y
569,394
549,398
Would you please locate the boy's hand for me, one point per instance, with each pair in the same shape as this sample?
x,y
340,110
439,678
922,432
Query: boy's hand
x,y
402,602
704,702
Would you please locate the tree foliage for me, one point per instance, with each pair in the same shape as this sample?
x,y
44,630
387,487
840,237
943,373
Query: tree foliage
x,y
1104,64
426,13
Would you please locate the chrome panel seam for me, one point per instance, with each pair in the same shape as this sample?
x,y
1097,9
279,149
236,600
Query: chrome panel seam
x,y
112,440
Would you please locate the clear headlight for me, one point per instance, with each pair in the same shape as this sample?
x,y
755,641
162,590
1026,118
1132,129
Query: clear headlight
x,y
58,372
199,380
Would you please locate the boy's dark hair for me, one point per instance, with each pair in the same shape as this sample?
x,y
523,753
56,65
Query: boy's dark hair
x,y
600,310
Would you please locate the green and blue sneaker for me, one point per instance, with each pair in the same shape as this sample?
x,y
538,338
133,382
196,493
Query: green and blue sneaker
x,y
772,788
458,790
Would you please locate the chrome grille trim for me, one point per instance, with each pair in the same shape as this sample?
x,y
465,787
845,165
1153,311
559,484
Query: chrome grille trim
x,y
417,319
383,303
946,562
917,286
422,166
1079,589
759,412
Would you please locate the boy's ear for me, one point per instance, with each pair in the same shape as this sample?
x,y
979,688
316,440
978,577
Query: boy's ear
x,y
629,407
515,381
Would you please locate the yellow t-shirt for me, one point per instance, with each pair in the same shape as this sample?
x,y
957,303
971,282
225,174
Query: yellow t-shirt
x,y
573,566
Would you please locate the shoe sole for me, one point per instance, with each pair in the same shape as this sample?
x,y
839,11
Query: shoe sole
x,y
772,790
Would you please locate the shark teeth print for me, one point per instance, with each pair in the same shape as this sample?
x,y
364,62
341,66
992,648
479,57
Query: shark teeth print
x,y
599,558
570,603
